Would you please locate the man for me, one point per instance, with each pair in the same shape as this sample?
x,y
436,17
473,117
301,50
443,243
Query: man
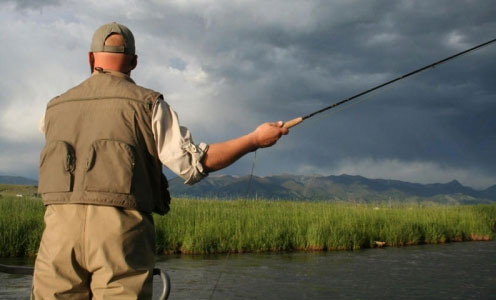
x,y
101,176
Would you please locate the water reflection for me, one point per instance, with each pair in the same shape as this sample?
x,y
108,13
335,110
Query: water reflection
x,y
451,271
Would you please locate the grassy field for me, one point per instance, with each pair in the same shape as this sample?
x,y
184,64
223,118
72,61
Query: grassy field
x,y
220,226
216,226
21,225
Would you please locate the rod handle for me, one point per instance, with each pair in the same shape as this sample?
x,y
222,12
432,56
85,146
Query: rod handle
x,y
293,122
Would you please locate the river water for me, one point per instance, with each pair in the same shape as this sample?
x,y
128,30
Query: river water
x,y
450,271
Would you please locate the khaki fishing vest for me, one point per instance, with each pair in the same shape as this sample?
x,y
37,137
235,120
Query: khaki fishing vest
x,y
100,147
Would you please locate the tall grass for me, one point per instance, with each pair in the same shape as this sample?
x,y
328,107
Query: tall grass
x,y
213,226
21,226
219,226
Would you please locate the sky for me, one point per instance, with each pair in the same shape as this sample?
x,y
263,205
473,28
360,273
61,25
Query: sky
x,y
227,66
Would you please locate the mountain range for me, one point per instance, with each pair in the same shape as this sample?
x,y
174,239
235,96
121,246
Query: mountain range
x,y
334,188
344,187
17,180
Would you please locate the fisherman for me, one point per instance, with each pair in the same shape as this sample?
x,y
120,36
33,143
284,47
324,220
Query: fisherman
x,y
101,176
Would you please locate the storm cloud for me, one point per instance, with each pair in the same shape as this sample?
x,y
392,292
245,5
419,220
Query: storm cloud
x,y
226,66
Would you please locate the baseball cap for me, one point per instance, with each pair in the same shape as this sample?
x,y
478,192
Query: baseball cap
x,y
104,31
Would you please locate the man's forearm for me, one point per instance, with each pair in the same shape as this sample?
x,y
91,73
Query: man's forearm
x,y
221,155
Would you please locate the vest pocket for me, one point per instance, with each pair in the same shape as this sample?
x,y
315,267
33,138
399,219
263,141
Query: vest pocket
x,y
109,167
57,163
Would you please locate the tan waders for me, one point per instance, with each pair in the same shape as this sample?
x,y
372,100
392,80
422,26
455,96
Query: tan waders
x,y
95,252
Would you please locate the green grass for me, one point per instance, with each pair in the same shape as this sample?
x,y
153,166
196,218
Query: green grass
x,y
17,189
216,226
21,225
220,226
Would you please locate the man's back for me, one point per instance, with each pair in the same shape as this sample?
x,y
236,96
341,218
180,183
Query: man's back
x,y
104,126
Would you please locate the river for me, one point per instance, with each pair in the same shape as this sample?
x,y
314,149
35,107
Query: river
x,y
449,271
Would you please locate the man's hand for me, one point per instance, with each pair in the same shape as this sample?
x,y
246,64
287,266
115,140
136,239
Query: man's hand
x,y
221,155
267,134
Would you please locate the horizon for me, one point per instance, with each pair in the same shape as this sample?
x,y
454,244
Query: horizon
x,y
312,175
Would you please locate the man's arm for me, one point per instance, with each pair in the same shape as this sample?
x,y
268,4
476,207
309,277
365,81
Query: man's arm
x,y
223,154
192,162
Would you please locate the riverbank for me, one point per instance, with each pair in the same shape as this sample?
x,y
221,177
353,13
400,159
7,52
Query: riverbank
x,y
216,226
237,226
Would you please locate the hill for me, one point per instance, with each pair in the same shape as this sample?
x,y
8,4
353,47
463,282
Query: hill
x,y
17,180
334,188
299,187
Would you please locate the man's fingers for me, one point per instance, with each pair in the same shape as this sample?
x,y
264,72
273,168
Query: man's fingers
x,y
268,133
284,130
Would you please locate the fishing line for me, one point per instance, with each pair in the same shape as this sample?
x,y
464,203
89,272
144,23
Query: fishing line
x,y
218,278
251,173
215,286
347,105
328,113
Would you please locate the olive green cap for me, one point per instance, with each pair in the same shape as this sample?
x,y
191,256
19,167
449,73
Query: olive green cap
x,y
102,33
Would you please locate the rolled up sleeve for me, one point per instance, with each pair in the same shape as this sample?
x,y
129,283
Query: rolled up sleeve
x,y
175,145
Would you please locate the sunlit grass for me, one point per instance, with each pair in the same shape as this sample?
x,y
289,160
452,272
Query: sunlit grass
x,y
213,226
218,226
21,225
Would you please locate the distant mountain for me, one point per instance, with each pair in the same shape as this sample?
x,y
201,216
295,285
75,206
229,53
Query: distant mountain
x,y
17,180
490,192
334,188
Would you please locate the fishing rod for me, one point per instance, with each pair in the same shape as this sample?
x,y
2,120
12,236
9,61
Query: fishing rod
x,y
298,120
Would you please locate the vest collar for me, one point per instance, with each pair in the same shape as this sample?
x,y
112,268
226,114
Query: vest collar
x,y
100,71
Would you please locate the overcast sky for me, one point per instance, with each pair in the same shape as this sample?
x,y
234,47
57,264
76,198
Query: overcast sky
x,y
226,66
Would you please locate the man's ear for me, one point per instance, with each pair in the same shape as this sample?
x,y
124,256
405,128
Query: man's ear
x,y
134,62
91,61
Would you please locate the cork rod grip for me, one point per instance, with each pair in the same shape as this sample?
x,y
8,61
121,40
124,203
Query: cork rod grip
x,y
293,122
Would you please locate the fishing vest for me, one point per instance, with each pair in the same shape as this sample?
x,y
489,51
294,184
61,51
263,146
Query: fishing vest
x,y
100,147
